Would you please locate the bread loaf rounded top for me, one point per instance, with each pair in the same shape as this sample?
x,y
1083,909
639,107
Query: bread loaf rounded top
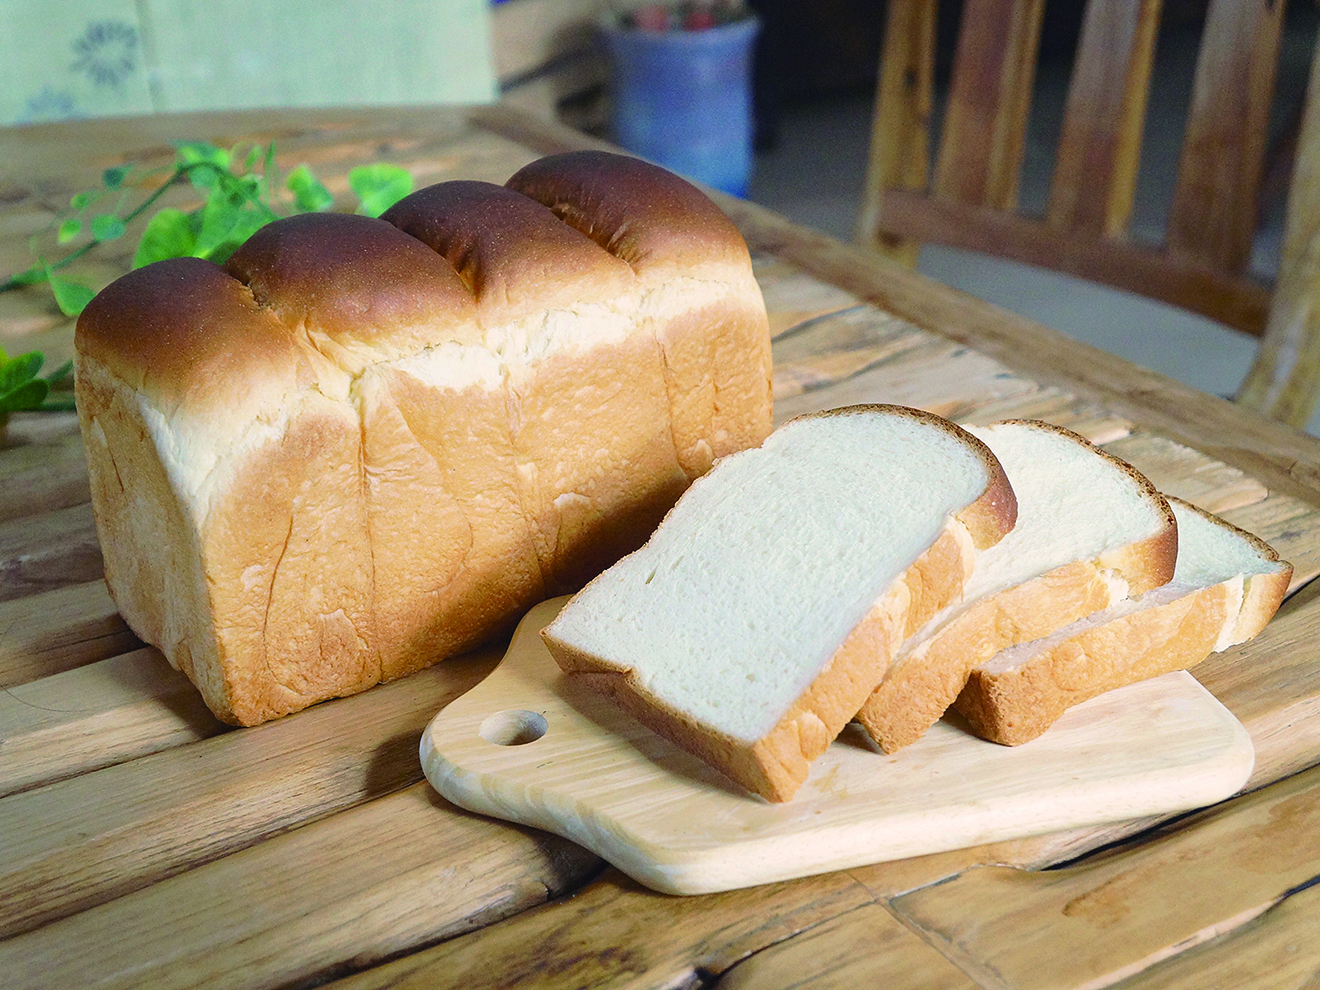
x,y
567,230
654,220
356,279
512,253
183,326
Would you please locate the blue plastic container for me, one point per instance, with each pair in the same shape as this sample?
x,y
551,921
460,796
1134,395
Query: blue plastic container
x,y
683,99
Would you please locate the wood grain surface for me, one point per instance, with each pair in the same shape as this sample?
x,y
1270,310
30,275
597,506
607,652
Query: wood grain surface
x,y
146,845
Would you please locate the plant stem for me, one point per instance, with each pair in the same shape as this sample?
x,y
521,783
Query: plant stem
x,y
37,273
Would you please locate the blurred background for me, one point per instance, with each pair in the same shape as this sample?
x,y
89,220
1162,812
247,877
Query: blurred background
x,y
812,85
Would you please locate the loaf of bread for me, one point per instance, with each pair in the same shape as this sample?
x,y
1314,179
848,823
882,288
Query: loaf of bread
x,y
1091,531
1226,587
364,445
767,606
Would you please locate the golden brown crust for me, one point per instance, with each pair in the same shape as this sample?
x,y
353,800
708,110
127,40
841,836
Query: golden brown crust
x,y
639,212
464,475
930,675
516,256
918,689
355,279
1016,705
695,273
178,324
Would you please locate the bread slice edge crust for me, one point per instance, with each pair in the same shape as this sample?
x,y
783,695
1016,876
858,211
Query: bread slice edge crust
x,y
928,678
1014,706
777,764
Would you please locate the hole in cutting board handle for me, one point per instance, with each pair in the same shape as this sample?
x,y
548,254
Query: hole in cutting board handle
x,y
513,727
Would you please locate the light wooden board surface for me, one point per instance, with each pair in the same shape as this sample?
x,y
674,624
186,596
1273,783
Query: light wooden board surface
x,y
531,746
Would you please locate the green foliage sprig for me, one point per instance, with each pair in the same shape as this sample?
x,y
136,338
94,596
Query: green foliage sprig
x,y
22,388
240,192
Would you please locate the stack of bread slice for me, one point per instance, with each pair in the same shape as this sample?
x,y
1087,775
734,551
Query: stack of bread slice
x,y
878,564
1226,587
1091,531
766,607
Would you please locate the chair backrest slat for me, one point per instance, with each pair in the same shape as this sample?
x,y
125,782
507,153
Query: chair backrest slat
x,y
1095,171
984,131
1213,216
1203,263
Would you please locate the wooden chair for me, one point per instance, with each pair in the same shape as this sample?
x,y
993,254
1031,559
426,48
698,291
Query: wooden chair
x,y
970,197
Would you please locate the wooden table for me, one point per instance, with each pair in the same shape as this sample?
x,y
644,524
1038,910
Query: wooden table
x,y
142,844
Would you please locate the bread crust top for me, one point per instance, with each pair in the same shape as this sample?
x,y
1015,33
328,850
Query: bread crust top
x,y
173,326
567,230
355,279
652,219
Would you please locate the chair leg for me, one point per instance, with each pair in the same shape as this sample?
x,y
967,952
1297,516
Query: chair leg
x,y
900,128
1284,380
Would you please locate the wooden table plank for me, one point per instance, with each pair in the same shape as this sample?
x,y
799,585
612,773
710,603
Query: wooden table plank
x,y
617,934
97,716
40,476
50,550
1177,469
58,630
867,947
793,297
389,876
1269,952
83,841
1098,922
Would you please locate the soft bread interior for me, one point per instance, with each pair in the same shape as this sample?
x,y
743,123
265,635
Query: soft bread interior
x,y
1090,529
737,604
1074,503
1225,588
1209,553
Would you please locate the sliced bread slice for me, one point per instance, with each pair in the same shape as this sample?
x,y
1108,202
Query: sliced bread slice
x,y
1091,531
1227,586
766,606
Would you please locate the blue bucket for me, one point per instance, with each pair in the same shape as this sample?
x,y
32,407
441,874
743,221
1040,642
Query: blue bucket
x,y
683,99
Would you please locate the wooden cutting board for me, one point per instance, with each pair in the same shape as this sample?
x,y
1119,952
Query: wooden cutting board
x,y
528,745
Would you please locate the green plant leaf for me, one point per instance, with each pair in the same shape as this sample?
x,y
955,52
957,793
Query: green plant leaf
x,y
219,216
71,297
35,274
107,227
68,230
309,194
60,373
114,177
206,165
81,200
168,234
379,186
64,403
20,370
247,223
29,395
